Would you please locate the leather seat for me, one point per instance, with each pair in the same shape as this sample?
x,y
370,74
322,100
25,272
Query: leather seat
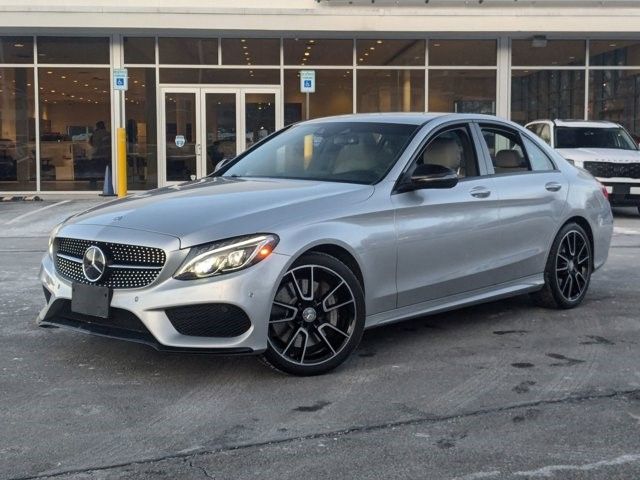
x,y
445,152
359,156
508,161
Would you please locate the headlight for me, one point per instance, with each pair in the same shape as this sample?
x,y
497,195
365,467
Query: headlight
x,y
226,256
52,237
572,162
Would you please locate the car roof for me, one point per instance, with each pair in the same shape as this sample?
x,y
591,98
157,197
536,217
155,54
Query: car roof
x,y
409,118
579,123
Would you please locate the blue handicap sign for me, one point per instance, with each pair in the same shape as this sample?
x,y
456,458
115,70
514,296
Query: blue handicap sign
x,y
120,82
307,83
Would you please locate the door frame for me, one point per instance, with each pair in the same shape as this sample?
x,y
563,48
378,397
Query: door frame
x,y
200,91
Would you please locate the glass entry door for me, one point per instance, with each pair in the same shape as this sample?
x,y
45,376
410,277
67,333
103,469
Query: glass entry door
x,y
205,126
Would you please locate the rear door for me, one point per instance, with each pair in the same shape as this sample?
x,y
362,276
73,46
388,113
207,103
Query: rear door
x,y
531,194
446,237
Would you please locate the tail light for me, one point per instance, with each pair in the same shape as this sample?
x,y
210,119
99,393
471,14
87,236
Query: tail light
x,y
605,192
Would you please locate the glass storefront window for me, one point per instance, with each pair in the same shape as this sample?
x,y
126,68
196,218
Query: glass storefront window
x,y
17,130
462,52
546,94
333,95
462,91
614,52
73,50
140,112
309,51
383,52
615,95
16,49
390,91
139,50
259,76
188,51
251,51
548,53
75,127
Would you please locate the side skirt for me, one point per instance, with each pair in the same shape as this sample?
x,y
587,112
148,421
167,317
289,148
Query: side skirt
x,y
495,292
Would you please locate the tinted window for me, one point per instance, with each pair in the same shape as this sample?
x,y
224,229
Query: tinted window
x,y
538,159
573,137
506,150
73,50
338,151
452,149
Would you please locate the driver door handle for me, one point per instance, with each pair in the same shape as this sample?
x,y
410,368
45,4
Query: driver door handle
x,y
480,192
553,186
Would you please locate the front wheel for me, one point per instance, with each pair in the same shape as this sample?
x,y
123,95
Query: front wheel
x,y
317,316
568,270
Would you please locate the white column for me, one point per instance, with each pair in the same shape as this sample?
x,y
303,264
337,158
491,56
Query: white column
x,y
503,80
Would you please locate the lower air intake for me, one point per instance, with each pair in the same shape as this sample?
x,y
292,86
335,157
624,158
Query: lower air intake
x,y
209,320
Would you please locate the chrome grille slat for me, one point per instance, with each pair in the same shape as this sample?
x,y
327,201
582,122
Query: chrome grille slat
x,y
129,266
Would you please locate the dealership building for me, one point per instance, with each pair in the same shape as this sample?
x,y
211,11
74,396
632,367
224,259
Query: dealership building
x,y
196,82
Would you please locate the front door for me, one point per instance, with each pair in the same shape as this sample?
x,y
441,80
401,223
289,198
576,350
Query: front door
x,y
445,236
204,126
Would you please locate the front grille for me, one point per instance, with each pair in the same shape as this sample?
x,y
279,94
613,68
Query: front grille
x,y
209,320
609,170
128,266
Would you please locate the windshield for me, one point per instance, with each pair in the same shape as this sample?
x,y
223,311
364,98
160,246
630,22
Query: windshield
x,y
573,137
355,152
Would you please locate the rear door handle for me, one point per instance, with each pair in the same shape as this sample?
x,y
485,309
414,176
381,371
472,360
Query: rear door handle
x,y
480,192
553,186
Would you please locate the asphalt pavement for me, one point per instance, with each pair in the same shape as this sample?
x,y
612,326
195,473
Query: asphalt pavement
x,y
505,390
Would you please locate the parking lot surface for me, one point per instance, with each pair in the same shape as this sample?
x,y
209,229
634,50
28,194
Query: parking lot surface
x,y
498,391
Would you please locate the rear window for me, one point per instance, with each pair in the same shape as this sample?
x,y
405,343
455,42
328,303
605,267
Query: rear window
x,y
583,137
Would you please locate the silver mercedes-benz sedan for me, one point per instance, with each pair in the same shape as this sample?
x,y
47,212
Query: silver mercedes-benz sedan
x,y
329,227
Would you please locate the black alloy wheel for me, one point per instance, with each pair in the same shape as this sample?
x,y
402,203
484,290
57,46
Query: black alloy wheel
x,y
317,316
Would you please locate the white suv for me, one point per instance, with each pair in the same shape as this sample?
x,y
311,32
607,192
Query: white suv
x,y
605,149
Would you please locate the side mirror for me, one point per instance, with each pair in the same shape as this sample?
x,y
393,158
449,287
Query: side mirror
x,y
429,176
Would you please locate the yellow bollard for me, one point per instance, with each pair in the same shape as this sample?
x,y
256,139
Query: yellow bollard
x,y
122,163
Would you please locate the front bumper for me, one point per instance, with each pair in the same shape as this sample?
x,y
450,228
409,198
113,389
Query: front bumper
x,y
622,193
139,314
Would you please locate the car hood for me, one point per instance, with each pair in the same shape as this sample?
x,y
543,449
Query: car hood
x,y
614,155
214,208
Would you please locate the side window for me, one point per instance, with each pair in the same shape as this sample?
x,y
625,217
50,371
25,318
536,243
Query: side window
x,y
539,160
545,134
453,149
506,150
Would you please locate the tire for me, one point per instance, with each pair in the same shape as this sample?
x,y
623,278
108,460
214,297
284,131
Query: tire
x,y
568,270
314,330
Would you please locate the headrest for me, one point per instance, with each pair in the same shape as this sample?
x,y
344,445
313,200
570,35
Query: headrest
x,y
443,151
508,159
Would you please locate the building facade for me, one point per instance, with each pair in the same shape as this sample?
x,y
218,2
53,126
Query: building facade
x,y
208,79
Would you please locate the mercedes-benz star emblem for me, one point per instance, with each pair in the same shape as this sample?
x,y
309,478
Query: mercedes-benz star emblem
x,y
94,263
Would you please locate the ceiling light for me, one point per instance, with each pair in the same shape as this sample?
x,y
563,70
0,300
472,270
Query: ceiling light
x,y
378,42
306,54
18,45
49,72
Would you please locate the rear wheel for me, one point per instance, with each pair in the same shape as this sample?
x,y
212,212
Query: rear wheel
x,y
317,316
568,270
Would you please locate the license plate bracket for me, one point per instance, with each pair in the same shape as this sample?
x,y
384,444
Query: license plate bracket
x,y
93,300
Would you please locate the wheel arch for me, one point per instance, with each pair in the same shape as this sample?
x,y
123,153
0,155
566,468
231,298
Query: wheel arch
x,y
341,254
586,226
